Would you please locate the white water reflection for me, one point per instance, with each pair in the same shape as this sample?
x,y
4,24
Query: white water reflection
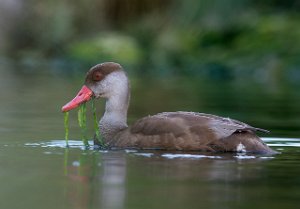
x,y
281,142
60,144
144,154
190,156
271,141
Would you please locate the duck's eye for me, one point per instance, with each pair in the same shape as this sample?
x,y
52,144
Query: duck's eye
x,y
97,76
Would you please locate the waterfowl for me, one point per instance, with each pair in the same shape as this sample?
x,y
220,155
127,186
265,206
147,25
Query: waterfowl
x,y
185,131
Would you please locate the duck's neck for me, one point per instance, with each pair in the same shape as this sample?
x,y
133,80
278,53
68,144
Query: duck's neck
x,y
114,119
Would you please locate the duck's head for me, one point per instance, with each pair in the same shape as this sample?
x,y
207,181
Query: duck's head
x,y
102,80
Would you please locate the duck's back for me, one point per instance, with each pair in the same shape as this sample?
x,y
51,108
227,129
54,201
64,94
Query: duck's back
x,y
191,131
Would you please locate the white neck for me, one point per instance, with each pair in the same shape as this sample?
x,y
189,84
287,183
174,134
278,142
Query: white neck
x,y
115,116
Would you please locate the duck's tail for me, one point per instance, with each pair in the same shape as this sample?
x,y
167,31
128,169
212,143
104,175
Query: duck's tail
x,y
245,141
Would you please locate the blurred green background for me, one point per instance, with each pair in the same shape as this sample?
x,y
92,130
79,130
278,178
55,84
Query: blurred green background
x,y
234,58
171,37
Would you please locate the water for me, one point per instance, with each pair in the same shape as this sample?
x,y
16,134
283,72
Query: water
x,y
37,171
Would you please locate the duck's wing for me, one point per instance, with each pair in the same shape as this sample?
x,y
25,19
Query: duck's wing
x,y
224,127
162,131
182,131
177,122
160,124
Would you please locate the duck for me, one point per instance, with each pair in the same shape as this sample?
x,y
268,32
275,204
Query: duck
x,y
172,131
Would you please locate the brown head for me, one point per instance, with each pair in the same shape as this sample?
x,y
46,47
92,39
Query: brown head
x,y
100,71
102,80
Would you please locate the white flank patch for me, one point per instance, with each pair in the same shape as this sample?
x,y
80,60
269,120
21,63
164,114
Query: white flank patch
x,y
241,148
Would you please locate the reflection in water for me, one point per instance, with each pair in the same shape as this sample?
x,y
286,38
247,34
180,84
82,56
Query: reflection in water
x,y
155,179
96,179
80,173
113,181
208,181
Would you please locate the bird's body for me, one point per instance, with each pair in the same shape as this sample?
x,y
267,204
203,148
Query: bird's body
x,y
186,131
189,131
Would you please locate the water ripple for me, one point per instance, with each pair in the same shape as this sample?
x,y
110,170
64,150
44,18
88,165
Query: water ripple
x,y
271,141
59,144
190,156
281,142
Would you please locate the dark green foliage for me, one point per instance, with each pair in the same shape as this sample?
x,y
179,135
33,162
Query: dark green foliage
x,y
161,38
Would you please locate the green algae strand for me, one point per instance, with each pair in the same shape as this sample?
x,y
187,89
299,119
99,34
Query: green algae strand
x,y
98,137
66,123
82,123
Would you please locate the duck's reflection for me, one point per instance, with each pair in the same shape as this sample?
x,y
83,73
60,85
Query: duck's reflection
x,y
102,180
113,181
95,180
